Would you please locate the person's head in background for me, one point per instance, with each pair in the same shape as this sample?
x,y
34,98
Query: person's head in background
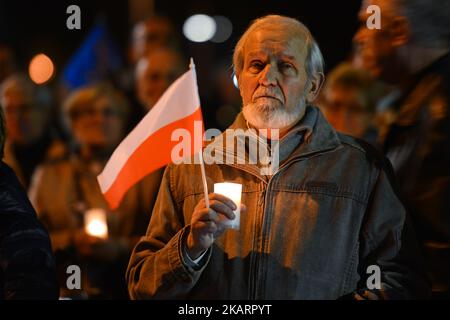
x,y
97,117
154,32
413,34
26,108
155,72
349,98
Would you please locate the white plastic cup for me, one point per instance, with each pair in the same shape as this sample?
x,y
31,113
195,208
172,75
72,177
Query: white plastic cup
x,y
234,192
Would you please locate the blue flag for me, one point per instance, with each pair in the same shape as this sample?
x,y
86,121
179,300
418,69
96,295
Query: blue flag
x,y
97,59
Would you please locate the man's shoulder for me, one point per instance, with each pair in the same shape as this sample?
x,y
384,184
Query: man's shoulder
x,y
182,172
365,150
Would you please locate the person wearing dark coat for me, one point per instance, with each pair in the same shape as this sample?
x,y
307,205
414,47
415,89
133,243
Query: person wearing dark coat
x,y
27,266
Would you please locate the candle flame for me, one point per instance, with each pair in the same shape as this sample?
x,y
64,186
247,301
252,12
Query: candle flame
x,y
97,228
95,223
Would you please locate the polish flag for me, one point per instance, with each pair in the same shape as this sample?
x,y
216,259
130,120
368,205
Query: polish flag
x,y
149,146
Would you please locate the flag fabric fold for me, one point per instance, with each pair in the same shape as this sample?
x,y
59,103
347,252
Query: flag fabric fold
x,y
148,147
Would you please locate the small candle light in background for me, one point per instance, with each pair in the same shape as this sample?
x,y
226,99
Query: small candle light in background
x,y
41,68
234,192
95,223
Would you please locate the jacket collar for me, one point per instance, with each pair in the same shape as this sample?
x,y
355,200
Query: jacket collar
x,y
319,134
312,135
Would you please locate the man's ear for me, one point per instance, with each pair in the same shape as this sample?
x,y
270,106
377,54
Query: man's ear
x,y
236,80
399,30
238,83
314,88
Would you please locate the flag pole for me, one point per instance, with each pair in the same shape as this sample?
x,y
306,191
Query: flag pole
x,y
205,185
200,154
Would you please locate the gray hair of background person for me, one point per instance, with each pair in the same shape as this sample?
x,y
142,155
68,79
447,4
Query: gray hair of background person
x,y
314,58
429,21
84,97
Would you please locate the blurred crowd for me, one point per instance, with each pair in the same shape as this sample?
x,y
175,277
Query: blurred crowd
x,y
392,92
58,142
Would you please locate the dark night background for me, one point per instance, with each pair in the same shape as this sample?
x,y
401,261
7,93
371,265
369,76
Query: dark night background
x,y
31,27
40,25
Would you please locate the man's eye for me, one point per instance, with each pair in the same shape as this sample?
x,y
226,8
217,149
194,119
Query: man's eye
x,y
256,66
286,66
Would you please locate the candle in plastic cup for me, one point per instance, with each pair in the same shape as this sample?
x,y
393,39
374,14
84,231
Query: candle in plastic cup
x,y
232,191
95,223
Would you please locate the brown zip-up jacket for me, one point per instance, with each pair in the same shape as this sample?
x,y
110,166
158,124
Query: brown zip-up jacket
x,y
310,232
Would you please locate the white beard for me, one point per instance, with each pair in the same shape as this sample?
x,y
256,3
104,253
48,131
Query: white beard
x,y
269,116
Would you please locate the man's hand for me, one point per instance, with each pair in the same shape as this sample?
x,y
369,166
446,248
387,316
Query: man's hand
x,y
206,223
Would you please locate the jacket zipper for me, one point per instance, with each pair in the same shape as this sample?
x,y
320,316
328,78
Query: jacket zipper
x,y
263,201
255,261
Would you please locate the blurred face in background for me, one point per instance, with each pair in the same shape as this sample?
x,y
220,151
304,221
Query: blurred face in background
x,y
151,34
25,122
377,47
155,73
346,111
98,124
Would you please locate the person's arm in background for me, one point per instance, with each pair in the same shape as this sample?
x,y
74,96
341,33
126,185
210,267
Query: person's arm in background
x,y
27,262
41,185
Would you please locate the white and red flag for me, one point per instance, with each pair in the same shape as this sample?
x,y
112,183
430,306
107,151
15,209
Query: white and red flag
x,y
149,146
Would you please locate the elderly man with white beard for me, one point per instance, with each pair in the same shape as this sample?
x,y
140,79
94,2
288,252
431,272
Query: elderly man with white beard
x,y
325,224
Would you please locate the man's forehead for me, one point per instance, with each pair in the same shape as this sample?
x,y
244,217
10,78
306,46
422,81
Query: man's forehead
x,y
279,53
276,42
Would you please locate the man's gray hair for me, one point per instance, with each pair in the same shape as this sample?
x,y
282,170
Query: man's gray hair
x,y
429,21
314,58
